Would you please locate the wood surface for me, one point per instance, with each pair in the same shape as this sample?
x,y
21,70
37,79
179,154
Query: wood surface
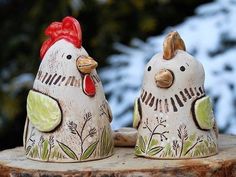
x,y
125,137
123,163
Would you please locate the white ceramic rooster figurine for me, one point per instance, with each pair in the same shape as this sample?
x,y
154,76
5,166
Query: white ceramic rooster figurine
x,y
68,117
173,115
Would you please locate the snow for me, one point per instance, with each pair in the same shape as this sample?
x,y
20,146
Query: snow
x,y
206,35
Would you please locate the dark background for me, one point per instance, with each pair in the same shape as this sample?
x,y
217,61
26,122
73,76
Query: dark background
x,y
102,22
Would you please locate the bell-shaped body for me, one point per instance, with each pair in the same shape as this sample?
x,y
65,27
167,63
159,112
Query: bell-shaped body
x,y
173,115
68,117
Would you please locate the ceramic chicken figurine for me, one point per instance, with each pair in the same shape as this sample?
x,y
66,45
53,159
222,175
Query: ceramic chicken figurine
x,y
68,117
173,114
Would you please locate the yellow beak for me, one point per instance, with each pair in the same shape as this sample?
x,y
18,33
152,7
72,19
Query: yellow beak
x,y
86,64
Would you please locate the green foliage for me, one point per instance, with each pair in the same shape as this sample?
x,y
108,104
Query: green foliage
x,y
206,147
152,143
56,154
34,153
107,145
167,152
67,150
155,150
89,151
137,150
141,144
187,144
151,150
45,152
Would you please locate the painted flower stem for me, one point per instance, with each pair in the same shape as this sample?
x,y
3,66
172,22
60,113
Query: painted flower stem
x,y
153,132
190,148
182,147
183,135
81,147
81,136
198,141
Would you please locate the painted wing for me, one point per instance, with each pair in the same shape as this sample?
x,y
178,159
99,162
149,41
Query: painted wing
x,y
204,113
137,114
43,111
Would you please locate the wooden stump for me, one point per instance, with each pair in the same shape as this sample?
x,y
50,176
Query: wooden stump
x,y
123,163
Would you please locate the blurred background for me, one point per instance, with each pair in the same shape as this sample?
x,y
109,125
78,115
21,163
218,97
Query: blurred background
x,y
122,36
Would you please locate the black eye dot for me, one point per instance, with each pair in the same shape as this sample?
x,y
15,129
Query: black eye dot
x,y
68,57
149,68
182,68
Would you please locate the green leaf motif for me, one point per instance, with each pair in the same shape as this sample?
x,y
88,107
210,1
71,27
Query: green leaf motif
x,y
206,143
200,150
167,151
110,144
106,143
137,150
193,137
155,150
153,142
187,145
67,151
45,150
141,144
56,154
34,153
103,142
89,151
53,154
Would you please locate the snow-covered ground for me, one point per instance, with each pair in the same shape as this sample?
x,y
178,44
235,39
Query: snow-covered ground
x,y
210,36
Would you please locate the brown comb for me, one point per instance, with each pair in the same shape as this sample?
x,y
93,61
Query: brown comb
x,y
172,43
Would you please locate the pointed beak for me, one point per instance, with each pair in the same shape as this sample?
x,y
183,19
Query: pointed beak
x,y
164,78
86,64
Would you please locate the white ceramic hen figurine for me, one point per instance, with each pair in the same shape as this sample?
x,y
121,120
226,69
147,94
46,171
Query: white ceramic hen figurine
x,y
68,117
173,115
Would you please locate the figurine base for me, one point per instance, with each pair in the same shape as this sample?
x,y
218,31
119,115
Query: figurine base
x,y
70,161
124,163
177,158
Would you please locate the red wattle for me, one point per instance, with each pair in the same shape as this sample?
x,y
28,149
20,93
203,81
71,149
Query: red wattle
x,y
89,85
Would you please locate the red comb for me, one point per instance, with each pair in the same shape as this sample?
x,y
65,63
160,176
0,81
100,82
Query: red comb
x,y
69,29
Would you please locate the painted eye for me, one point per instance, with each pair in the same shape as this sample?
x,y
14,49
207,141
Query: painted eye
x,y
149,68
182,68
68,57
